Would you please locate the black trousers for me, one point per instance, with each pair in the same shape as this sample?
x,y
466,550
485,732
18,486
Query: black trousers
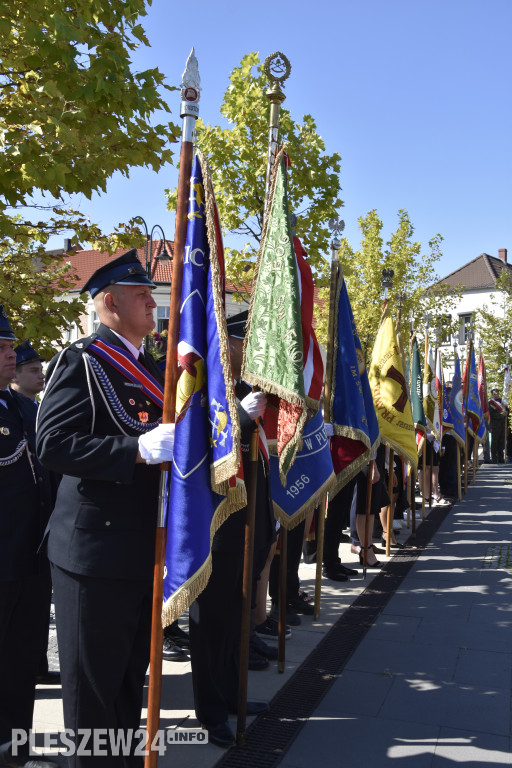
x,y
293,554
24,611
214,629
103,629
338,518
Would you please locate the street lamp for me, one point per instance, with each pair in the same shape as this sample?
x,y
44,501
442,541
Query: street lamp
x,y
148,248
148,255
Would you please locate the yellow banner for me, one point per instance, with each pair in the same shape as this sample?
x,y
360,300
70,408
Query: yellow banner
x,y
389,390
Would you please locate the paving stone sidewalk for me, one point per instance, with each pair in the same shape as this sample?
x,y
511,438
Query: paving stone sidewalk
x,y
429,682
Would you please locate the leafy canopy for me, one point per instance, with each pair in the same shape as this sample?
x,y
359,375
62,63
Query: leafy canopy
x,y
72,111
493,326
238,159
414,288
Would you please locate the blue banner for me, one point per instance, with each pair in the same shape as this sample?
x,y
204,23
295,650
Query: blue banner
x,y
457,405
310,475
474,406
206,448
355,424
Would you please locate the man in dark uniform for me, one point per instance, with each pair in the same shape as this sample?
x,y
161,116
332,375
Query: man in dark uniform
x,y
498,414
24,574
29,378
29,381
215,617
99,426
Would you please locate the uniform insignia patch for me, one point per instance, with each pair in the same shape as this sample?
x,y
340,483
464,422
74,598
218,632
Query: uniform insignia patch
x,y
5,431
143,416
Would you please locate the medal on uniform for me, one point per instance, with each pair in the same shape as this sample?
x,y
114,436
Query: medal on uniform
x,y
131,401
5,431
143,416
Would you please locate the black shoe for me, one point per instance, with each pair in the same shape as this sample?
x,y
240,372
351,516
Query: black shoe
x,y
171,652
300,605
48,678
257,662
376,564
178,635
347,571
36,762
269,630
334,574
41,763
292,618
269,652
221,735
252,708
393,545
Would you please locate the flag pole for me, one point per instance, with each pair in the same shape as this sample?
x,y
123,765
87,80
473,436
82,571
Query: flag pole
x,y
324,501
277,68
466,419
190,89
424,457
387,275
459,483
412,473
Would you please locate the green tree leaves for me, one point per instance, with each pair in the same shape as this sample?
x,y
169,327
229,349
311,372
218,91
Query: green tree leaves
x,y
238,159
72,113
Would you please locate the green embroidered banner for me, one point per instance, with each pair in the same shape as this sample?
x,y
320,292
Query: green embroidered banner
x,y
273,341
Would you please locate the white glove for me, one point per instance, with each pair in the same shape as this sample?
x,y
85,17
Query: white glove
x,y
254,404
436,446
157,445
329,429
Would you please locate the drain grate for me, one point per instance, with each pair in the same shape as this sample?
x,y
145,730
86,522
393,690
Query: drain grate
x,y
268,738
498,556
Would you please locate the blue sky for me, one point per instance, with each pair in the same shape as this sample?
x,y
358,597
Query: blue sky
x,y
413,94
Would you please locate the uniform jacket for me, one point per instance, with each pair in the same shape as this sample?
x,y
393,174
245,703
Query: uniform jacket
x,y
89,422
26,490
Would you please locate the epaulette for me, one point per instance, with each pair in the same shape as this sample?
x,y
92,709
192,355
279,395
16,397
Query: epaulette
x,y
80,344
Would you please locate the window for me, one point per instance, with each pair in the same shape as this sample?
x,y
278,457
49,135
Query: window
x,y
445,335
95,322
465,328
162,319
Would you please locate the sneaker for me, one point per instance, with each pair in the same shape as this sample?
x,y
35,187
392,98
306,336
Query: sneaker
x,y
292,617
269,630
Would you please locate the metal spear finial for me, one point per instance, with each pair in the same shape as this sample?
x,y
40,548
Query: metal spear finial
x,y
190,87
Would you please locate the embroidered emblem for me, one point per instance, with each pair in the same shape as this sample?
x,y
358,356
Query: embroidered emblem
x,y
143,416
5,431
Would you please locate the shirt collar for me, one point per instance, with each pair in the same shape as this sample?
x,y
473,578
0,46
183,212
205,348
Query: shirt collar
x,y
131,347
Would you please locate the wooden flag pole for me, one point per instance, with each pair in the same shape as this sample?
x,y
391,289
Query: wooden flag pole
x,y
322,512
369,488
466,419
324,501
391,506
277,68
189,112
245,632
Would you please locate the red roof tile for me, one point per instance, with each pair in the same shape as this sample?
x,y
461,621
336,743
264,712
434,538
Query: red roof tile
x,y
84,263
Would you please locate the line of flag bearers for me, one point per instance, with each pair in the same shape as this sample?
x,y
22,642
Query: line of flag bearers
x,y
95,454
